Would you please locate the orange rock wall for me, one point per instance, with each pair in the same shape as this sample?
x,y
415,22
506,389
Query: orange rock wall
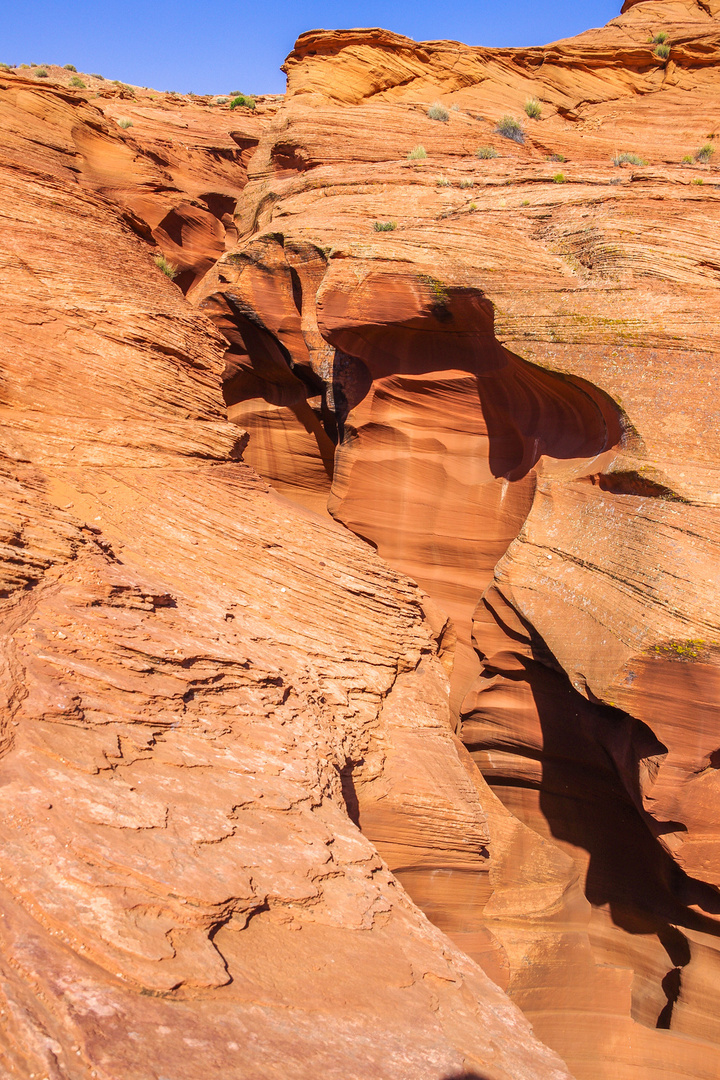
x,y
510,396
523,410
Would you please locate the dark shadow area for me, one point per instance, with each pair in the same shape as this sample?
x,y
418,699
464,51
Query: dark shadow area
x,y
530,412
467,1076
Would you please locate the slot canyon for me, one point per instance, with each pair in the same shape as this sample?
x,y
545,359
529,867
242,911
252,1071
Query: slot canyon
x,y
359,596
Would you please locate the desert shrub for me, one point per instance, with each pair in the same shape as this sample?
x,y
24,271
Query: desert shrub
x,y
418,153
628,159
662,51
125,122
704,153
385,226
472,206
660,38
467,182
687,160
486,152
559,178
442,181
525,202
77,83
557,157
510,128
533,108
167,267
69,67
698,180
4,67
221,101
437,111
240,101
41,73
100,77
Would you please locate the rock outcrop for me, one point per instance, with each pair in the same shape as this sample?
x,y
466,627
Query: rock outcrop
x,y
244,750
503,351
192,668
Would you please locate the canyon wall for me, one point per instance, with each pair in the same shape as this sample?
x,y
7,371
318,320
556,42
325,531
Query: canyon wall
x,y
292,801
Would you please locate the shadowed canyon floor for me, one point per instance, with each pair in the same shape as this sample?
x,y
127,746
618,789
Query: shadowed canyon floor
x,y
280,800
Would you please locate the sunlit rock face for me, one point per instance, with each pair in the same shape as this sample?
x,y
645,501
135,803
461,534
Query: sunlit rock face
x,y
492,370
358,585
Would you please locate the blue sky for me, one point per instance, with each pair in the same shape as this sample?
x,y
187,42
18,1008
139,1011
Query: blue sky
x,y
215,48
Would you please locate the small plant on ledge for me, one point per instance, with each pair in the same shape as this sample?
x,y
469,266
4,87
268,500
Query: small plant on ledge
x,y
385,226
240,101
628,159
437,111
167,267
418,153
533,108
510,128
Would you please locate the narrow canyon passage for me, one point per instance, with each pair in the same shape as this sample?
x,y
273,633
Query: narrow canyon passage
x,y
393,404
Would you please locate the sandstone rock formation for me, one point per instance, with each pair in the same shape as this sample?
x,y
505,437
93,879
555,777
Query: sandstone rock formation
x,y
243,751
191,669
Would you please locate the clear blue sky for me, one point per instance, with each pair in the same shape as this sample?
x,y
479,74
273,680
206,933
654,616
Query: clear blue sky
x,y
213,48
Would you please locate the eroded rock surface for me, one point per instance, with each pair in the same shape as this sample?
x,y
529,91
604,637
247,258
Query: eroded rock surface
x,y
192,667
241,753
506,353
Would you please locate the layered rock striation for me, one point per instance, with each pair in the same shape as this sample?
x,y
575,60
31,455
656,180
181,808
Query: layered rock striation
x,y
244,750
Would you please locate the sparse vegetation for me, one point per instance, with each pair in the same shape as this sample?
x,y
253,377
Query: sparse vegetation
x,y
77,83
124,88
559,178
221,101
385,226
557,157
41,73
472,206
442,181
439,292
684,650
698,180
660,38
628,159
69,67
437,111
168,268
487,152
241,101
100,77
418,153
662,51
533,108
467,182
125,122
687,160
510,128
704,153
525,202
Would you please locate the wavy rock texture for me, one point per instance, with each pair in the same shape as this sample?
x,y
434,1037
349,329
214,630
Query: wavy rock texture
x,y
507,391
277,748
191,669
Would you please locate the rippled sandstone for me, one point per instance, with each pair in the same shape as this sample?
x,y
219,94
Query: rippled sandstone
x,y
508,393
